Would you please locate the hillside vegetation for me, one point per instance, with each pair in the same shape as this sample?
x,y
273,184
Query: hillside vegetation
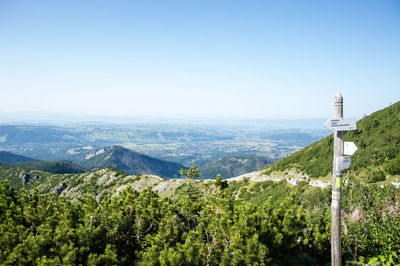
x,y
54,167
107,181
377,138
236,223
231,166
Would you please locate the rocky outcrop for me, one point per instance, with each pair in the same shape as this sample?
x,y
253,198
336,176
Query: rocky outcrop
x,y
290,177
60,188
25,177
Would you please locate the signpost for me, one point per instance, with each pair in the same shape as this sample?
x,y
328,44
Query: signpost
x,y
349,148
342,163
338,124
341,124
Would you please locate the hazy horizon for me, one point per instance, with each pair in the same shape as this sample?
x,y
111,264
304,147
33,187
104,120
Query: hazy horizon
x,y
41,117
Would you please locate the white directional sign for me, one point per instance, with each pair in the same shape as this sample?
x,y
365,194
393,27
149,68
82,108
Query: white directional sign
x,y
341,124
342,163
349,148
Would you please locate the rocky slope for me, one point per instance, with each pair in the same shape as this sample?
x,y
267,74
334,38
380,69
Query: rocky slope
x,y
106,181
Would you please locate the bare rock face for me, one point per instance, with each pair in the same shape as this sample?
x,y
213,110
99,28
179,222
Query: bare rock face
x,y
25,177
60,188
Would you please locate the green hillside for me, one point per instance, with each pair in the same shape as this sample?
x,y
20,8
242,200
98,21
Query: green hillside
x,y
54,167
231,166
377,138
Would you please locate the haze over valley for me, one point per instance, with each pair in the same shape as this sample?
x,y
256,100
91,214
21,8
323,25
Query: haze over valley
x,y
176,141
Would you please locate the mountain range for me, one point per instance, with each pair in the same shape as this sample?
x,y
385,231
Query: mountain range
x,y
377,160
130,162
123,159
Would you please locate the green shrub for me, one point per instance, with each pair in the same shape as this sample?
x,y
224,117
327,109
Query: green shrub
x,y
375,176
393,166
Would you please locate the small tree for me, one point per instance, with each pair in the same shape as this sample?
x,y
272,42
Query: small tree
x,y
191,173
219,183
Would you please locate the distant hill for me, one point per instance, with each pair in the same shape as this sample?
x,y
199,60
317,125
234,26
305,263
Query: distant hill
x,y
377,138
55,167
11,158
130,162
232,166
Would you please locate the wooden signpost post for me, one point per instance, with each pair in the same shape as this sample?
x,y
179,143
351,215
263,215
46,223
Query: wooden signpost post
x,y
338,124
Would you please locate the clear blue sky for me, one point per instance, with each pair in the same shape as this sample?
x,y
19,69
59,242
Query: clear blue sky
x,y
256,59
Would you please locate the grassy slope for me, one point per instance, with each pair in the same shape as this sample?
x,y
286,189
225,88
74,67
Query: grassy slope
x,y
232,166
55,167
377,139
